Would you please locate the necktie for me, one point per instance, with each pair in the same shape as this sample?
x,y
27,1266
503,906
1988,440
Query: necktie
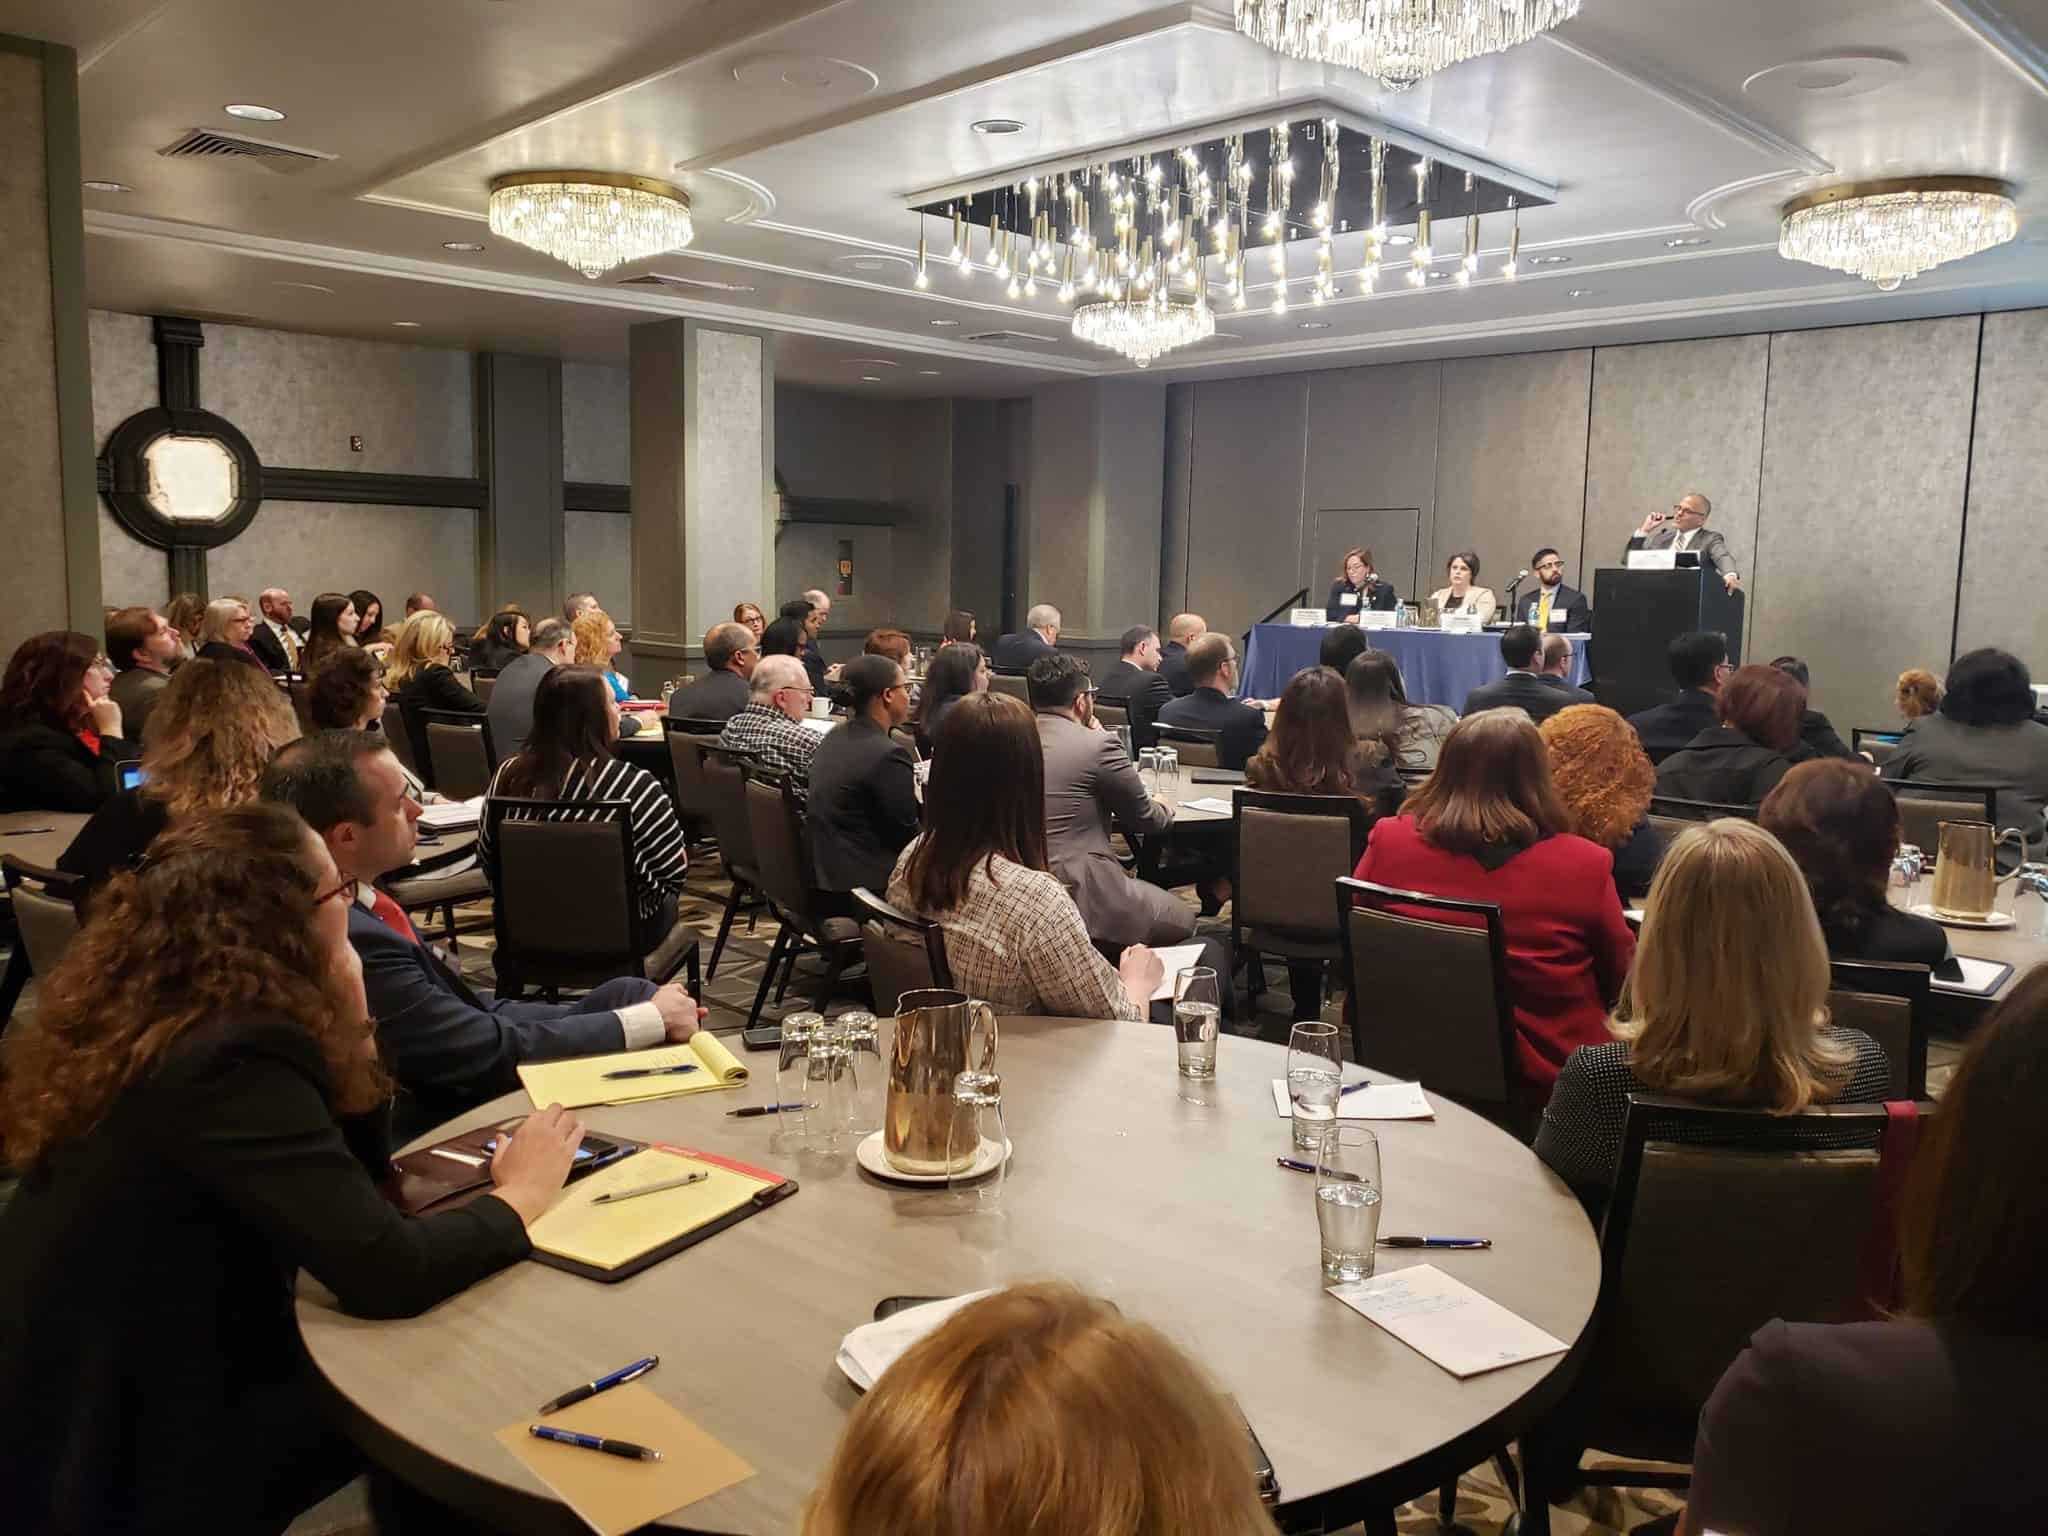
x,y
1543,613
392,916
290,642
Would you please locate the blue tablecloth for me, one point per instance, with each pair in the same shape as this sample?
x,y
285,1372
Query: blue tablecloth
x,y
1436,668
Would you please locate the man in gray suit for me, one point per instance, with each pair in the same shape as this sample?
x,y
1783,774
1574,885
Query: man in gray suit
x,y
1089,781
510,711
1684,528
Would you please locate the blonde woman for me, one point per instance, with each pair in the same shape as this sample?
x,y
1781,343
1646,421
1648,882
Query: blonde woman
x,y
224,632
1053,1414
420,676
597,642
1727,1004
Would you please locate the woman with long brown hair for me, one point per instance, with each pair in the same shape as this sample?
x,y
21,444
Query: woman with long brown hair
x,y
1310,750
60,735
334,625
1013,934
177,1105
1605,780
1488,826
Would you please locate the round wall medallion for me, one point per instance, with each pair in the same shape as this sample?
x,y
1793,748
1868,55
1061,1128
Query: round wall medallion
x,y
182,477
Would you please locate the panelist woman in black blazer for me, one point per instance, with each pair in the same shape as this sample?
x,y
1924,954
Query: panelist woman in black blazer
x,y
1357,586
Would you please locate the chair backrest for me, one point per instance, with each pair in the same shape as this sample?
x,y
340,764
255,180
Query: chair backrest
x,y
1112,715
1197,747
459,750
1429,990
780,850
1891,1004
906,737
1924,807
45,910
1012,683
1287,850
696,725
402,735
481,684
1874,744
1668,808
904,953
686,750
725,780
562,886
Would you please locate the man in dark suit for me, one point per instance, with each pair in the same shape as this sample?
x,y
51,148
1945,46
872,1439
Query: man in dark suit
x,y
274,640
1241,729
729,657
1699,665
1135,686
1041,632
449,1046
863,797
1684,528
1552,606
1523,688
1817,734
510,710
1183,631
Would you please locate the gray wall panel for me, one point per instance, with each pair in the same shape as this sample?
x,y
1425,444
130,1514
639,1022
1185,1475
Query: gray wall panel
x,y
837,445
597,552
1372,443
1064,466
597,438
1866,447
123,370
312,547
980,470
1132,458
1174,548
1244,513
924,543
1999,603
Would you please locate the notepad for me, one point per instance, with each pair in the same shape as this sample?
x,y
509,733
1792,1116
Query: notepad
x,y
1376,1101
581,1081
1177,958
609,1493
873,1347
1446,1321
443,814
607,1237
1209,803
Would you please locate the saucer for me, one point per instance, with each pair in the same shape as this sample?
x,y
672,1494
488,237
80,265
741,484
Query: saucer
x,y
870,1156
1995,920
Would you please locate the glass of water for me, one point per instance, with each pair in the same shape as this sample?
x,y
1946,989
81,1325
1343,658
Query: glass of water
x,y
792,1078
1315,1076
979,1096
1348,1201
1197,1015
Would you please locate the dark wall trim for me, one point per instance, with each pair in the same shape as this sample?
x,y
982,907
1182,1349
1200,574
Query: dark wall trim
x,y
178,341
354,488
128,475
596,496
830,509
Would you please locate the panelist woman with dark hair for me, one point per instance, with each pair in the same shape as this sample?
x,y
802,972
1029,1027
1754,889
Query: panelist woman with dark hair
x,y
1357,586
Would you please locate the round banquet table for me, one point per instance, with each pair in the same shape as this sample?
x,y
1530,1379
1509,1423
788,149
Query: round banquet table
x,y
1177,1212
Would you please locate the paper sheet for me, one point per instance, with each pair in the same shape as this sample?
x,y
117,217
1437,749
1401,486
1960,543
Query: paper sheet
x,y
444,871
818,724
1446,1321
609,1493
873,1347
452,813
1378,1101
1176,959
581,1081
1980,977
607,1236
1209,803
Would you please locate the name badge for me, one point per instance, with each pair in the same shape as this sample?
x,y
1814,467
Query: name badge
x,y
1653,559
1379,618
1347,600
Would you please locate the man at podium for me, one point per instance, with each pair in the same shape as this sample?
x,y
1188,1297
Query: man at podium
x,y
1684,530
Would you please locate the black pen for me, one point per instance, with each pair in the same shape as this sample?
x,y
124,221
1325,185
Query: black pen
x,y
25,831
1299,1166
648,1072
765,1109
1436,1242
625,1448
620,1377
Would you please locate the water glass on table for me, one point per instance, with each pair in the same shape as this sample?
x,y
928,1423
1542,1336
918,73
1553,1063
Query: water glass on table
x,y
1347,1201
1315,1078
1197,1016
793,1078
978,1122
862,1037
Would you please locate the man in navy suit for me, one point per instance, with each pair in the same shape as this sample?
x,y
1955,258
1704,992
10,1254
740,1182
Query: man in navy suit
x,y
1240,728
1699,665
1041,632
449,1046
1539,690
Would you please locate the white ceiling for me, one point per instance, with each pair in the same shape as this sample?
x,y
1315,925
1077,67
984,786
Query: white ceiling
x,y
804,129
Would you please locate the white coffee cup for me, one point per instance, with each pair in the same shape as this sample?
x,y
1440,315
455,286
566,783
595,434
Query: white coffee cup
x,y
821,706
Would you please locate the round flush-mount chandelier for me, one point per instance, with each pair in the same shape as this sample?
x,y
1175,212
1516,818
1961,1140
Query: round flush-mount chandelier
x,y
1888,231
1400,41
592,220
1141,328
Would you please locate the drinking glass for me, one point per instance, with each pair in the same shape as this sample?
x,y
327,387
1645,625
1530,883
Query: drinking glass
x,y
1169,766
793,1078
1347,1201
1197,1016
979,1097
828,1091
1148,770
863,1039
1315,1075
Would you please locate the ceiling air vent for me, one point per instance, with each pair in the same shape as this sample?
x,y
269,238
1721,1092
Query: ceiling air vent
x,y
1023,336
212,144
663,280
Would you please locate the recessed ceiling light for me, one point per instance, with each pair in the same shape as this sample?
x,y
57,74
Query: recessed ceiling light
x,y
944,324
462,245
108,186
1398,239
1548,261
997,125
1315,325
927,373
1686,242
250,113
1578,293
407,325
304,287
871,378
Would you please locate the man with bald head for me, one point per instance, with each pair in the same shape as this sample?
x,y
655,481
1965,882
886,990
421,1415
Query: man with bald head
x,y
273,638
1182,632
770,728
730,652
1684,529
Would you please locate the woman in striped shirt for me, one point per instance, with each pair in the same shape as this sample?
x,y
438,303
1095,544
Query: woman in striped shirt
x,y
568,757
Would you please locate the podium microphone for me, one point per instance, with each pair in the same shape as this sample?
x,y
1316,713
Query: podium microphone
x,y
1519,579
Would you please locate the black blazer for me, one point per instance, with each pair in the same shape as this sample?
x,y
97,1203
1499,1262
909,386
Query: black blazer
x,y
268,648
1577,609
814,668
1141,695
118,834
1379,594
1724,766
1015,653
435,687
719,696
1668,727
1541,697
146,1279
862,806
1242,729
1817,734
44,768
1173,666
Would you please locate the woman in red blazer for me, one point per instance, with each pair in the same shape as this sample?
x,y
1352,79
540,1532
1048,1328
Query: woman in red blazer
x,y
1488,826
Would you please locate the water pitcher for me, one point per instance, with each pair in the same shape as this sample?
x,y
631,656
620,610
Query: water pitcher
x,y
934,1044
1966,869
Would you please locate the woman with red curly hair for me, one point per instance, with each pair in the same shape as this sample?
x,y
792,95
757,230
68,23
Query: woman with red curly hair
x,y
60,735
1605,780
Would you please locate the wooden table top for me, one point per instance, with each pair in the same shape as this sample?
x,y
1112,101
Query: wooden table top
x,y
1176,1212
2016,947
1186,788
40,837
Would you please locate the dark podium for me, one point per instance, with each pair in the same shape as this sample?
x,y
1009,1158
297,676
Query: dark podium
x,y
1640,613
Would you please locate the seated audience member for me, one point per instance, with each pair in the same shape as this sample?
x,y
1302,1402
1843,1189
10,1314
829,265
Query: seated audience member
x,y
216,728
575,605
959,627
1241,729
1984,733
750,615
1460,593
191,1106
1090,784
421,675
347,693
730,653
800,612
786,637
61,736
1013,935
510,710
335,622
956,672
1605,780
1554,667
1699,665
1740,760
275,637
185,613
1074,1417
370,622
1488,826
507,637
1135,686
1527,687
1182,631
1553,605
1841,825
420,602
1387,726
1727,1004
1918,1423
448,1046
1340,647
224,633
779,695
598,643
1918,694
1038,637
1816,732
1356,588
892,643
568,757
143,648
863,800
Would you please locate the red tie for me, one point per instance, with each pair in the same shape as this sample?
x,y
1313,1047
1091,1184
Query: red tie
x,y
392,916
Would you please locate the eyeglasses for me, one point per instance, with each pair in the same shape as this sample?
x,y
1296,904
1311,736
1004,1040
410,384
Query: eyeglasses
x,y
347,891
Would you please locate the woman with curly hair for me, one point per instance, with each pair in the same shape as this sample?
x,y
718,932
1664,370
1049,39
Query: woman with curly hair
x,y
187,1107
597,642
211,736
60,735
1918,694
1605,780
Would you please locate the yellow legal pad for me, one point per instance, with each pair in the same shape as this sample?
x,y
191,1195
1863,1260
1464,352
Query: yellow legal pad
x,y
581,1081
610,1237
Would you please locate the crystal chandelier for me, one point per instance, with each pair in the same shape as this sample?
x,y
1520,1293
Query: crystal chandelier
x,y
1888,231
1400,41
593,220
1142,328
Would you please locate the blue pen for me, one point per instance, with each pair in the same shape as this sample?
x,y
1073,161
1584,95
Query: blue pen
x,y
620,1377
1353,1087
648,1072
625,1448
